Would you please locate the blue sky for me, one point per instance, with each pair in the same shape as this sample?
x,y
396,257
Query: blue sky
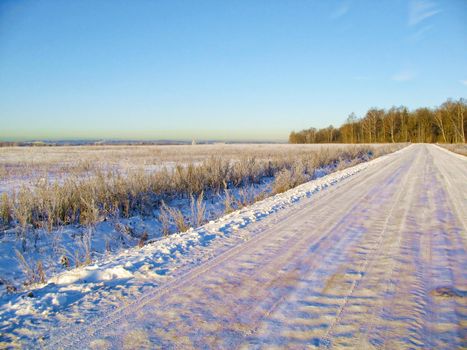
x,y
237,70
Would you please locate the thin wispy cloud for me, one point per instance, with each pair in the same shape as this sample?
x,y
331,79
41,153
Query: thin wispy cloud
x,y
404,75
419,34
463,82
420,10
341,10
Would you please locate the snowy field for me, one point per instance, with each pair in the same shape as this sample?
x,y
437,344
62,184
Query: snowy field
x,y
44,270
460,148
371,256
40,181
25,166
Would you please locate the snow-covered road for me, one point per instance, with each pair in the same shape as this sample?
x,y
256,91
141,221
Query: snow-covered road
x,y
378,260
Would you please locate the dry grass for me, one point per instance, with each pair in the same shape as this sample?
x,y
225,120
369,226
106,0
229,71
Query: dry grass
x,y
460,148
134,190
33,275
32,164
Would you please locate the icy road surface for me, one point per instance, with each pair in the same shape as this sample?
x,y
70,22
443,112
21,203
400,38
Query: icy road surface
x,y
378,260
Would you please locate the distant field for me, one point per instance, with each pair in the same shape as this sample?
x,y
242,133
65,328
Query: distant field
x,y
26,165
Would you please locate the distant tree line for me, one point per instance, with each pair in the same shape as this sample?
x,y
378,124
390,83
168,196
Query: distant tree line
x,y
8,144
23,144
444,124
